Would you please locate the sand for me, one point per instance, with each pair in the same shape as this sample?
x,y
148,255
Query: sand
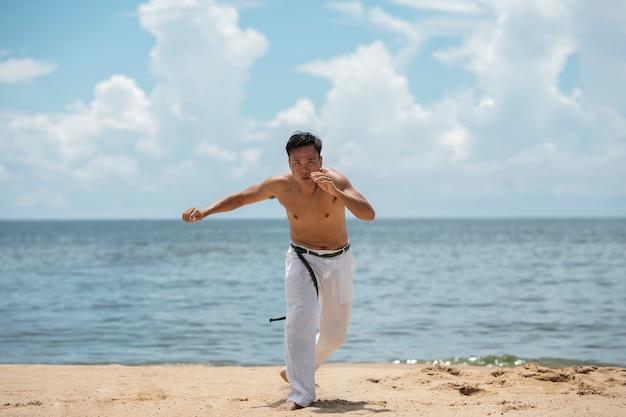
x,y
351,390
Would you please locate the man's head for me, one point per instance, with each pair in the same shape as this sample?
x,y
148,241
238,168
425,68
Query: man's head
x,y
304,150
300,139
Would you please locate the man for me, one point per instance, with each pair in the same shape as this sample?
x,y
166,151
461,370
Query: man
x,y
319,265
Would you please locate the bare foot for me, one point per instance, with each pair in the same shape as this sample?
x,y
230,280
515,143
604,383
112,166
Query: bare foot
x,y
289,406
283,375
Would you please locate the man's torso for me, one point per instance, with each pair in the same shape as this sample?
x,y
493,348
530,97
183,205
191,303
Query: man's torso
x,y
316,219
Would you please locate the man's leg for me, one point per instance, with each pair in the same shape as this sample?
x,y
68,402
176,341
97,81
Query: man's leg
x,y
334,322
300,329
335,301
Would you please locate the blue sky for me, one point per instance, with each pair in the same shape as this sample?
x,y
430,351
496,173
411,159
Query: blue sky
x,y
432,108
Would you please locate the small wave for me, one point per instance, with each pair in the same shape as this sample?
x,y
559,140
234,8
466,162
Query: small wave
x,y
501,361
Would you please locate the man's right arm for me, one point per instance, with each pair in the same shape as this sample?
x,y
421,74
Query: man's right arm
x,y
251,195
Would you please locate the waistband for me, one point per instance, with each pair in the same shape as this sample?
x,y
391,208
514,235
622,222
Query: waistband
x,y
300,249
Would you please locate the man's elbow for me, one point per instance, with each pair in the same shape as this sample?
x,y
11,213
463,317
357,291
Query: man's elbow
x,y
369,215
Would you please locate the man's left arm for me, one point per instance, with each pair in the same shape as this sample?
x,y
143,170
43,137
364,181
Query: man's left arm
x,y
339,186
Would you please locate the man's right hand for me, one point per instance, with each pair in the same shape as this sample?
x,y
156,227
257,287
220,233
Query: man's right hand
x,y
192,215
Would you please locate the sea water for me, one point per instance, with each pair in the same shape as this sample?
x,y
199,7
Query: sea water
x,y
478,291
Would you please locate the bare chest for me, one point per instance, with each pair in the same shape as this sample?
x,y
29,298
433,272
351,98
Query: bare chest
x,y
316,221
318,206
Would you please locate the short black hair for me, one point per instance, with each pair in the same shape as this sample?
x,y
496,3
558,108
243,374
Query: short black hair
x,y
299,139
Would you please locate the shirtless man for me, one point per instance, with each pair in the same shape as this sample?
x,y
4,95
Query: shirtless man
x,y
318,294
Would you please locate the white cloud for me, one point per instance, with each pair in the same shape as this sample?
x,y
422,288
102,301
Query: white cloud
x,y
200,61
43,198
117,119
457,141
352,9
353,157
396,25
411,32
108,169
600,50
371,101
18,70
452,6
201,57
215,151
120,104
301,114
5,176
249,160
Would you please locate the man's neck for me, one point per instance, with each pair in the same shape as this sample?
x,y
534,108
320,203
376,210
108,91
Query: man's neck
x,y
309,189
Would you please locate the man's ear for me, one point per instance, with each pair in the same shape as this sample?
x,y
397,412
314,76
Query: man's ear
x,y
321,159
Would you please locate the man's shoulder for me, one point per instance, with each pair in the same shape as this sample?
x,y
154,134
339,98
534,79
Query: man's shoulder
x,y
333,173
278,182
329,170
278,179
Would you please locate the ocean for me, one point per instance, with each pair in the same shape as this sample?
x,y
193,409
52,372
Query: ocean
x,y
493,292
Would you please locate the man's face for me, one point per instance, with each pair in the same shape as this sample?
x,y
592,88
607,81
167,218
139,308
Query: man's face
x,y
303,161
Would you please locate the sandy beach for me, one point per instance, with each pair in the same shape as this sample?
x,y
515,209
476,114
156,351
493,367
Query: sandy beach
x,y
348,389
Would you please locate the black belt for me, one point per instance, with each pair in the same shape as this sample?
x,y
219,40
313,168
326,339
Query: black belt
x,y
300,250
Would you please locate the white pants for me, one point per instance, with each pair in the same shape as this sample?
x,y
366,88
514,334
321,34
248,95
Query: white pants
x,y
305,351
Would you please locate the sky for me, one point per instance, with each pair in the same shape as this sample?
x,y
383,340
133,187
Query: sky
x,y
125,109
